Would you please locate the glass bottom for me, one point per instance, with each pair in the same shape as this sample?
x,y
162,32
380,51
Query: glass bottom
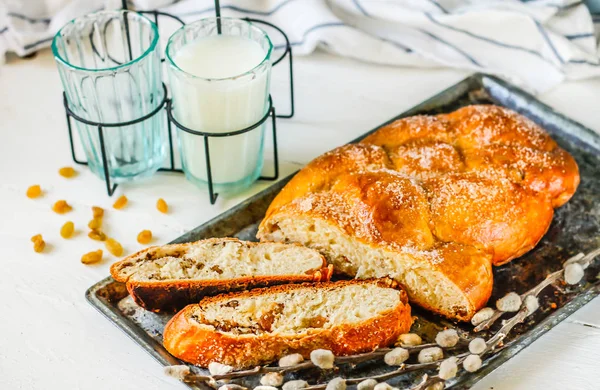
x,y
129,172
132,152
229,187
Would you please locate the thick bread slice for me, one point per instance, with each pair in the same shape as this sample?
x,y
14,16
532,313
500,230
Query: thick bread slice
x,y
168,277
258,327
450,279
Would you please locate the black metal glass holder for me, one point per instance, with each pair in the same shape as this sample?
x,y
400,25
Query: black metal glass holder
x,y
270,112
166,104
70,115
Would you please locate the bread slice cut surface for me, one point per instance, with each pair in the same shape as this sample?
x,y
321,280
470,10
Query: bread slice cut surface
x,y
260,326
172,276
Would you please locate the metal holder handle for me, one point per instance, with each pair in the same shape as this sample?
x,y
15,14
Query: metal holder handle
x,y
166,103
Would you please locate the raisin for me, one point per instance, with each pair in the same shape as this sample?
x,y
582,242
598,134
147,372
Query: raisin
x,y
144,237
67,172
95,224
216,269
317,322
98,211
66,231
38,243
34,191
39,246
162,206
120,203
265,322
61,207
92,257
114,247
97,235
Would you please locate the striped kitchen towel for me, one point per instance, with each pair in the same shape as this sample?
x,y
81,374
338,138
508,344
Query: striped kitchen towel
x,y
535,43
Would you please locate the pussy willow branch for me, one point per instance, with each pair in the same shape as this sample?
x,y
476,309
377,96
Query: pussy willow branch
x,y
401,370
491,344
352,359
506,328
580,258
427,381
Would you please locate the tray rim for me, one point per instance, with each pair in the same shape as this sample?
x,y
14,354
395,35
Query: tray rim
x,y
591,143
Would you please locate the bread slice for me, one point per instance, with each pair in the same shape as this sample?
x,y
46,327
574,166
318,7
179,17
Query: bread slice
x,y
166,278
450,279
258,327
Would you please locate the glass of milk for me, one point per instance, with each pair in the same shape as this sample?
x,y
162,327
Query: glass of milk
x,y
219,72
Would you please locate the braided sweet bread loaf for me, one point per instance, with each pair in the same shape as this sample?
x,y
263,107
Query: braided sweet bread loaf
x,y
431,201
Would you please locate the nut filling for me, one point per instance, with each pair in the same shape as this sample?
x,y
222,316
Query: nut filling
x,y
296,311
219,261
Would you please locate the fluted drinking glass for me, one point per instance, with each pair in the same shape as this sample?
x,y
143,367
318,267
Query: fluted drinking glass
x,y
109,64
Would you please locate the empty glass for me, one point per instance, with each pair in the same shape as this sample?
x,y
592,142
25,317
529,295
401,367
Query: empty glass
x,y
109,64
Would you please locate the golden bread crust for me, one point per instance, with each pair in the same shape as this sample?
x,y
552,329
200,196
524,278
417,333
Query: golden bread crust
x,y
185,339
482,178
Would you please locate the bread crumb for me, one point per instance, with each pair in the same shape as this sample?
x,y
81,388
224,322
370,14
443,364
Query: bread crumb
x,y
291,360
396,357
447,338
322,358
431,354
272,379
219,369
472,363
511,302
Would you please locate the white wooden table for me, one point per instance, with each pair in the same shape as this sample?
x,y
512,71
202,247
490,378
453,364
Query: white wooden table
x,y
51,338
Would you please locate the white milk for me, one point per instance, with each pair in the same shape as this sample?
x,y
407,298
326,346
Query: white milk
x,y
220,106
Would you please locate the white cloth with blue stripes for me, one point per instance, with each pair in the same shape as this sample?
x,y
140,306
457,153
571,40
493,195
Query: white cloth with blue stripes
x,y
535,43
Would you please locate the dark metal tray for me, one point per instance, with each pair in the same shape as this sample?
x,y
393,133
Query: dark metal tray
x,y
575,228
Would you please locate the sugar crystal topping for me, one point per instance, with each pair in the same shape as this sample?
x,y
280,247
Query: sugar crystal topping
x,y
466,167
